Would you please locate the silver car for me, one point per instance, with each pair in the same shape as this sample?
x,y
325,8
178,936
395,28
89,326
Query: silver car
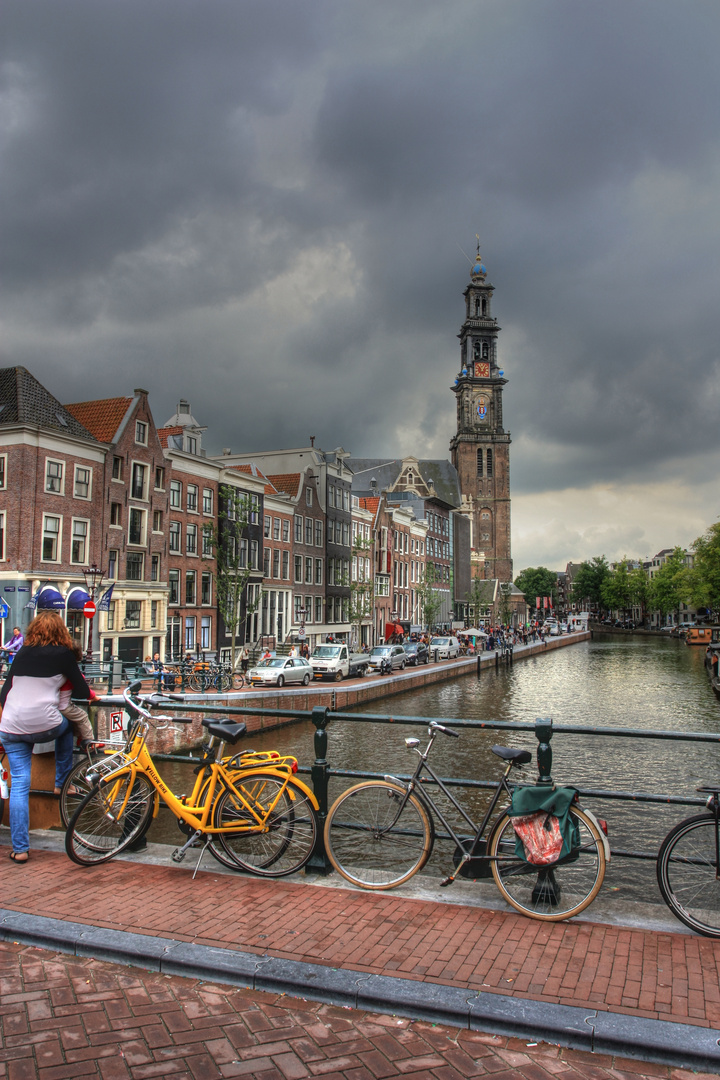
x,y
281,670
394,653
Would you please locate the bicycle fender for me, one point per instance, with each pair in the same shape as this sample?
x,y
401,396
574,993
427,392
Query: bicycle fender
x,y
606,842
296,782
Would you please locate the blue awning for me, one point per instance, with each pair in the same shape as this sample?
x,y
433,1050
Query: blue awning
x,y
50,598
77,599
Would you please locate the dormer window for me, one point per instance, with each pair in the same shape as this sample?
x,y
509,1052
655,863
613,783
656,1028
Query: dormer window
x,y
191,444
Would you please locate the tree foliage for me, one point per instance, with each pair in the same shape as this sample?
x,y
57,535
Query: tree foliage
x,y
430,597
587,587
616,588
670,586
505,603
704,578
362,589
537,581
228,542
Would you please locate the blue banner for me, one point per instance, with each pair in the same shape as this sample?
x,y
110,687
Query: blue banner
x,y
104,601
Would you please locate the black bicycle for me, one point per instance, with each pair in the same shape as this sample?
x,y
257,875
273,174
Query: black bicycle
x,y
688,866
380,833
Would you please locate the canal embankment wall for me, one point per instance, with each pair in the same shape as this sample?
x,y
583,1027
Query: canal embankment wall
x,y
279,705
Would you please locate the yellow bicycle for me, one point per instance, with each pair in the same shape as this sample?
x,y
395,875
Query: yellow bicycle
x,y
250,811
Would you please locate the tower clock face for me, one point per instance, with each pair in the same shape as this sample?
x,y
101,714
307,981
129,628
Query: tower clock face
x,y
482,369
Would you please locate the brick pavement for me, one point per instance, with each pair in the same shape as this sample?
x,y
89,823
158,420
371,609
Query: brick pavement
x,y
65,1017
662,976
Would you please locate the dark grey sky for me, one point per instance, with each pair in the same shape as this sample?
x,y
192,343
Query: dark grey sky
x,y
260,206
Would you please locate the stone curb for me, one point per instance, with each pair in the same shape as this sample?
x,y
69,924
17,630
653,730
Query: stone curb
x,y
683,1045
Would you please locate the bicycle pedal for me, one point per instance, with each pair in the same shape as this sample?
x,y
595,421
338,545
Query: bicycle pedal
x,y
447,881
178,855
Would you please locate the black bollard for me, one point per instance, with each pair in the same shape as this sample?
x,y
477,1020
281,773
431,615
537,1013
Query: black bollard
x,y
319,862
543,734
479,664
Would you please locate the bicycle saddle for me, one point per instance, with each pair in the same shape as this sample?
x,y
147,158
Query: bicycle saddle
x,y
518,757
231,733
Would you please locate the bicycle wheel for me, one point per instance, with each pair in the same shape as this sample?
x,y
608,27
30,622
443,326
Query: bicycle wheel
x,y
238,680
274,821
687,874
224,682
75,788
549,893
100,829
369,844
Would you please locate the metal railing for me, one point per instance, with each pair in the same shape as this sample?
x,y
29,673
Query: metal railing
x,y
544,729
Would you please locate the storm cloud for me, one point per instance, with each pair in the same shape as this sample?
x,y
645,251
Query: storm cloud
x,y
266,207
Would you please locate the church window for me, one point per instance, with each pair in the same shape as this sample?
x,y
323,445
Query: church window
x,y
480,462
485,351
477,307
484,306
489,463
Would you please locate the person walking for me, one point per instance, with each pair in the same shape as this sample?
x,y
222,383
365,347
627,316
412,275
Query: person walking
x,y
30,700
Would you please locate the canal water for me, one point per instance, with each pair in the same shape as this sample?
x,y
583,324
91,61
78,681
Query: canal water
x,y
611,681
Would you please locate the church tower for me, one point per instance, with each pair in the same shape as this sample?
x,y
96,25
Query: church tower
x,y
480,451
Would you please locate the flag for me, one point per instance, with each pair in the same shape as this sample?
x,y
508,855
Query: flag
x,y
104,601
545,602
537,602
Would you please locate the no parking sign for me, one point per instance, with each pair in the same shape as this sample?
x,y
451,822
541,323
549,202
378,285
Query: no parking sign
x,y
118,724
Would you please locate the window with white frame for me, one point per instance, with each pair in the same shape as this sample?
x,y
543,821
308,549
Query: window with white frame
x,y
192,497
308,570
153,614
191,444
138,485
266,562
190,587
308,496
51,538
207,500
299,609
190,633
134,566
157,520
298,529
308,609
318,533
276,528
191,540
318,571
205,632
286,565
173,588
132,614
117,468
308,531
267,526
155,567
254,555
141,432
111,615
82,486
286,531
136,526
298,568
78,545
318,609
276,562
254,515
174,535
2,535
112,564
3,471
175,494
159,478
54,476
207,540
206,588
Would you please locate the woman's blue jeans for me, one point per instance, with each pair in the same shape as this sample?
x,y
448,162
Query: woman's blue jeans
x,y
19,754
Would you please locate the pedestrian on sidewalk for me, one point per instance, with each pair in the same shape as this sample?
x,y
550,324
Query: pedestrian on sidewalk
x,y
30,703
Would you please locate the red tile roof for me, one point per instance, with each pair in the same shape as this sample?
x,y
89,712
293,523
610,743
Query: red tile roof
x,y
164,434
253,470
370,503
101,418
286,482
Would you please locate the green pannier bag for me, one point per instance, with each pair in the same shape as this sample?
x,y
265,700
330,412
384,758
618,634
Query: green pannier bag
x,y
545,833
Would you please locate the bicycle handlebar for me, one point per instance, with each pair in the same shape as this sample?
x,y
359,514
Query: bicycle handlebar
x,y
445,730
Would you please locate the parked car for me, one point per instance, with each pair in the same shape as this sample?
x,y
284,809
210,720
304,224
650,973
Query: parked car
x,y
281,670
416,652
394,653
445,648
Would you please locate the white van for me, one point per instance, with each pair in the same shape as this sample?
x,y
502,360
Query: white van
x,y
444,648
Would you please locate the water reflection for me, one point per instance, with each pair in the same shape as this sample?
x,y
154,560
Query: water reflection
x,y
630,682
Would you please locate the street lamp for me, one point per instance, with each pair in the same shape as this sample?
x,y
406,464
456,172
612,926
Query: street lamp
x,y
93,580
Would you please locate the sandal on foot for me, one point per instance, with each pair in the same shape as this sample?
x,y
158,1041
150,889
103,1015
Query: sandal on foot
x,y
14,856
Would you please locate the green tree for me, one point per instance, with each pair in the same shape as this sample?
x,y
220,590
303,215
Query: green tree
x,y
639,589
430,598
537,581
616,590
480,599
227,542
362,589
704,578
670,586
505,603
588,584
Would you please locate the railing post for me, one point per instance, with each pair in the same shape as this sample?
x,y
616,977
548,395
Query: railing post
x,y
319,862
479,664
543,734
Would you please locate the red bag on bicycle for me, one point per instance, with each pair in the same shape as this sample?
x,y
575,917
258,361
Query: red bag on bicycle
x,y
541,838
